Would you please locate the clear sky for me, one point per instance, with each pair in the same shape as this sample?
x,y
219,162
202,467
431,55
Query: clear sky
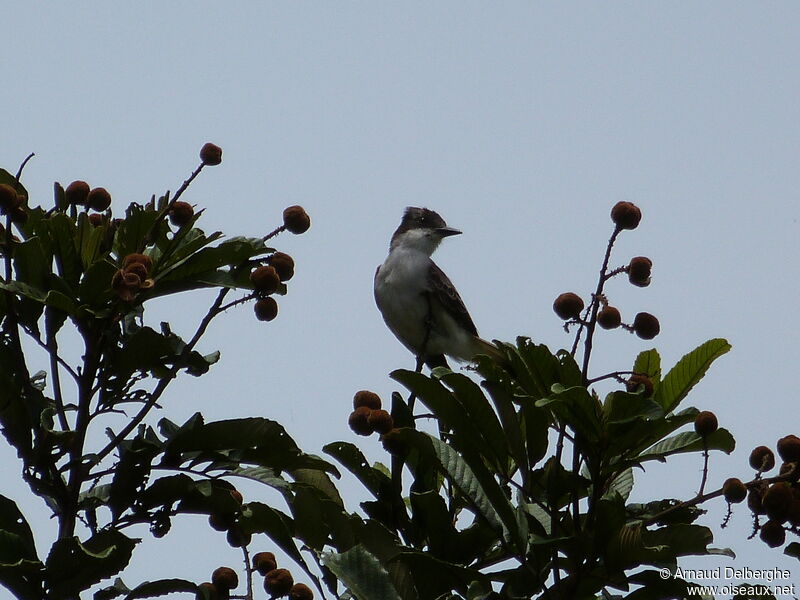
x,y
520,123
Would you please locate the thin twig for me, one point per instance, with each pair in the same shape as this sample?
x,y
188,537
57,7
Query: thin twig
x,y
705,468
213,311
273,233
22,166
595,305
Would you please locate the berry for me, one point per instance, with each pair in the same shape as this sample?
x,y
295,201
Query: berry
x,y
394,444
754,500
207,591
96,219
734,490
794,511
237,495
762,458
300,591
225,578
638,379
368,399
264,562
626,215
137,269
238,538
359,421
790,470
789,448
639,271
137,258
609,318
265,279
9,199
180,213
705,423
296,220
646,326
568,306
77,192
98,199
284,265
211,154
777,500
773,534
266,309
278,582
380,421
219,522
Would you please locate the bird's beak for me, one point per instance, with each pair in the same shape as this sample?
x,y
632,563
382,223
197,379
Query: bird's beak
x,y
447,231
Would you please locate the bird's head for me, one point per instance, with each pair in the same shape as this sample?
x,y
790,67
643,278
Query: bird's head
x,y
421,229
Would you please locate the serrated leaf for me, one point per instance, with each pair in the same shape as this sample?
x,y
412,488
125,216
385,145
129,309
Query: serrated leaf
x,y
689,370
362,574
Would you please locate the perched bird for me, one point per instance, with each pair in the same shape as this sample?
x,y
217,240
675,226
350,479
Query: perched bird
x,y
418,302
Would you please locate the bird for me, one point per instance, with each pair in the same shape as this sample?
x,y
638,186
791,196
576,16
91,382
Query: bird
x,y
419,303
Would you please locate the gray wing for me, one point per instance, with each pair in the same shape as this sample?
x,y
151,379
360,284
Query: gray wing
x,y
445,292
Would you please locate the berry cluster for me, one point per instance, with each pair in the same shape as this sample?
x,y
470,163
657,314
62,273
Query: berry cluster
x,y
570,306
266,280
368,417
778,498
278,583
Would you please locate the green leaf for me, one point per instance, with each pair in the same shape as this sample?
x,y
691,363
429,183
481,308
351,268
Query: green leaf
x,y
350,457
577,408
72,566
362,574
689,441
622,484
689,370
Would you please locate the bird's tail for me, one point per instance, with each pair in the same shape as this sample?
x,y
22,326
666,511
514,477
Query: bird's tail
x,y
481,346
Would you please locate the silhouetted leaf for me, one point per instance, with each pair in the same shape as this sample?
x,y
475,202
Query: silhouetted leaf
x,y
73,566
151,589
362,574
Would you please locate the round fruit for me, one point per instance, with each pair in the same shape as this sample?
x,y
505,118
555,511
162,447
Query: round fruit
x,y
777,500
773,534
380,421
626,215
278,582
211,154
265,279
237,538
266,309
368,399
359,421
609,318
646,326
762,459
98,199
283,264
734,490
789,448
180,213
225,578
300,591
568,306
296,220
705,423
264,562
77,192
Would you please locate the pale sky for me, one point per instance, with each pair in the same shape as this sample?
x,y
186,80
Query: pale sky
x,y
520,123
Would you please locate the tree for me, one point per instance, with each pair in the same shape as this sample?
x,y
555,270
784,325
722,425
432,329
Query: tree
x,y
523,492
